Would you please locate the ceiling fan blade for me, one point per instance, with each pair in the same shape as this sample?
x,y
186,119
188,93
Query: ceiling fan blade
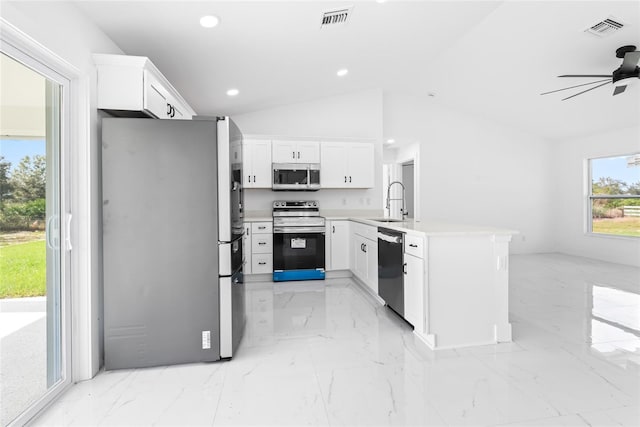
x,y
580,93
619,90
586,75
571,87
630,62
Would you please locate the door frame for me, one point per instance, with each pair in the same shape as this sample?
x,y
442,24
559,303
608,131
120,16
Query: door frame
x,y
404,155
411,154
80,314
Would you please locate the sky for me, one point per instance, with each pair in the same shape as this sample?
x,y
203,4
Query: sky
x,y
615,167
13,150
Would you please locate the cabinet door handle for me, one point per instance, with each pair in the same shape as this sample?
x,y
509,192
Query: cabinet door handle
x,y
345,178
293,154
249,176
404,268
262,227
168,109
262,262
254,178
365,247
298,154
173,111
262,243
349,178
412,245
333,228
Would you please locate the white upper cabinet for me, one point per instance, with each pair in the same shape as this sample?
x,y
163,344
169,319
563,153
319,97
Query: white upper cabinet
x,y
347,165
296,151
131,86
256,158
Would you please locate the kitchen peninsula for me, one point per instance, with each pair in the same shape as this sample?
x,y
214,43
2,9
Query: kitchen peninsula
x,y
456,276
456,279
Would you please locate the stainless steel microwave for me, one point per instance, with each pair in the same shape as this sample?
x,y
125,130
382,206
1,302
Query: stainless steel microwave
x,y
296,176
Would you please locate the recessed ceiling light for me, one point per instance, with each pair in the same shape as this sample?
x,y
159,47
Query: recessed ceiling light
x,y
390,141
343,72
233,92
209,21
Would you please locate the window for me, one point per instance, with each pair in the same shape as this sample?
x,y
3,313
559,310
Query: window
x,y
614,195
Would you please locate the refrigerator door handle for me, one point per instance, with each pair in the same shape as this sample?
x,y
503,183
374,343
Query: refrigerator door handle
x,y
228,242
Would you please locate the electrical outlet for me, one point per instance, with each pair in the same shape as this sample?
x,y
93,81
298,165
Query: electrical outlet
x,y
206,340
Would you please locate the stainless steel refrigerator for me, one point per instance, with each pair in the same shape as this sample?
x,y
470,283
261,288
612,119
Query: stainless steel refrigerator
x,y
172,241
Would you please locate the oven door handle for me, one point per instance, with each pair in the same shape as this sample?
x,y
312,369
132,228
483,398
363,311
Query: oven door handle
x,y
297,230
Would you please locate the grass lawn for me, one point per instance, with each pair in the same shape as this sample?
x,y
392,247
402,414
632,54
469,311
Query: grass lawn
x,y
619,226
23,269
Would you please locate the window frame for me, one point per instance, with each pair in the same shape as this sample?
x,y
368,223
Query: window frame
x,y
590,197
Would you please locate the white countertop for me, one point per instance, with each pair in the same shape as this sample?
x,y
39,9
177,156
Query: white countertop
x,y
429,228
436,228
258,219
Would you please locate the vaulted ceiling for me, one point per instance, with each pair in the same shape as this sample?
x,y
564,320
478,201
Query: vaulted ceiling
x,y
484,57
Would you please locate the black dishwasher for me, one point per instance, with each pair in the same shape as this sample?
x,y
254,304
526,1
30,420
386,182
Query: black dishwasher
x,y
390,269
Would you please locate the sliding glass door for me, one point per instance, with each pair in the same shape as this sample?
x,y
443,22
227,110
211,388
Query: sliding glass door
x,y
34,288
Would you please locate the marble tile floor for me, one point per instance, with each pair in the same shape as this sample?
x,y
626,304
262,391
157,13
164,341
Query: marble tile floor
x,y
325,353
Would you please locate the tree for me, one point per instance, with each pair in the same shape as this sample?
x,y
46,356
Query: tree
x,y
29,179
635,188
5,185
608,185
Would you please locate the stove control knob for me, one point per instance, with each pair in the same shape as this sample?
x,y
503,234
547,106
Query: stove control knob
x,y
315,203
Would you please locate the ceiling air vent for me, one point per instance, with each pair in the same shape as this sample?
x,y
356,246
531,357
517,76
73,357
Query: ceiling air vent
x,y
336,17
606,27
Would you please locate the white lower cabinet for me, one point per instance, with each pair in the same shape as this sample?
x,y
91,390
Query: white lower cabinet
x,y
262,244
413,291
261,263
259,247
415,281
246,248
337,245
365,255
360,269
372,264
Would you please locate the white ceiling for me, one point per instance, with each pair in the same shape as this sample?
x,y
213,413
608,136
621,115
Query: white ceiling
x,y
487,58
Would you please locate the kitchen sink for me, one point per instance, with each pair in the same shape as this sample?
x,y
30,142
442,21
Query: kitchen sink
x,y
385,220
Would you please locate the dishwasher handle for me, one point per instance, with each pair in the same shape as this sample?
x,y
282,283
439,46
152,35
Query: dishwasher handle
x,y
388,238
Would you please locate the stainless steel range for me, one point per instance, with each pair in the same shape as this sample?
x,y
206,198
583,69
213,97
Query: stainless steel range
x,y
298,241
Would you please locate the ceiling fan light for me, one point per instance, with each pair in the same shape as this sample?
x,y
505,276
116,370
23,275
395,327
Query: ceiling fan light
x,y
626,81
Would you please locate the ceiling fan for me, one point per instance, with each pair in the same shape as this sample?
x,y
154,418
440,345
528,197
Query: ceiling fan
x,y
627,73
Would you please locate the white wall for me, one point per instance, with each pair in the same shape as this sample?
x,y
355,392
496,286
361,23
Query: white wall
x,y
570,190
357,116
476,172
64,30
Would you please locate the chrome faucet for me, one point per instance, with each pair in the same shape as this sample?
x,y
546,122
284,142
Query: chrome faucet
x,y
389,199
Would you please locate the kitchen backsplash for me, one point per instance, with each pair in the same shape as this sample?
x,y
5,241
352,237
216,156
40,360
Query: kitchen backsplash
x,y
260,200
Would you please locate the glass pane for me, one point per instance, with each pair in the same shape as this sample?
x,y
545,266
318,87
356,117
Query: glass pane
x,y
30,304
616,175
619,217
